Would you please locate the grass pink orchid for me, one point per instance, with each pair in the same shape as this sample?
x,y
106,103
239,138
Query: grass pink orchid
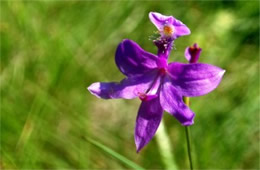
x,y
159,85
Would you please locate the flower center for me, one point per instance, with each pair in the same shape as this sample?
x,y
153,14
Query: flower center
x,y
142,96
146,97
168,30
152,91
162,71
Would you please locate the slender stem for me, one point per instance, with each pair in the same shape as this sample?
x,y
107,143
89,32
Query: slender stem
x,y
187,132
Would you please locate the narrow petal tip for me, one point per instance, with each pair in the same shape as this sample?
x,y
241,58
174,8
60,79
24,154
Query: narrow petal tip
x,y
94,89
139,143
138,149
221,73
185,119
188,123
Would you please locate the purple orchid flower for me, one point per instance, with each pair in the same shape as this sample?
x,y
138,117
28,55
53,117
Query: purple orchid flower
x,y
168,26
159,85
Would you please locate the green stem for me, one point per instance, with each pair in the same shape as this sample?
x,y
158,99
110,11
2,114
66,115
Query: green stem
x,y
187,132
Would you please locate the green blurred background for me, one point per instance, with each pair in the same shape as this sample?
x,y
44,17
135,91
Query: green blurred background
x,y
51,51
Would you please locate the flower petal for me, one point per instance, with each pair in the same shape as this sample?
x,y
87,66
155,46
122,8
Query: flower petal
x,y
132,60
180,28
171,101
187,54
128,88
148,120
160,20
195,79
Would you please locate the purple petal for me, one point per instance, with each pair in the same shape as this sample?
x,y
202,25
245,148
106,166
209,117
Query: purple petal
x,y
132,60
180,28
128,88
195,79
148,120
187,54
192,54
160,20
171,101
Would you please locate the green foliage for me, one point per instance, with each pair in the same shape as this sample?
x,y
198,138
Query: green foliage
x,y
51,51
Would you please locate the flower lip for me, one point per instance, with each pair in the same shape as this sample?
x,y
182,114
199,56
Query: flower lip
x,y
159,20
168,25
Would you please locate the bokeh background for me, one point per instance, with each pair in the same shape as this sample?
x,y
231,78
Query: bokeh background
x,y
51,51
